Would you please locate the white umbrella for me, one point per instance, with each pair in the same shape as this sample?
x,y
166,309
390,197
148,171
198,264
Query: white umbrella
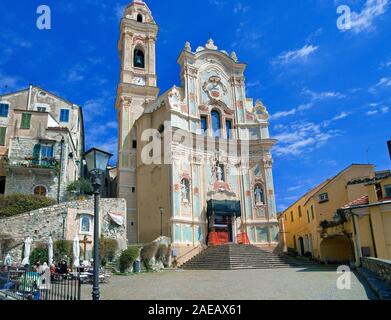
x,y
27,249
76,252
50,251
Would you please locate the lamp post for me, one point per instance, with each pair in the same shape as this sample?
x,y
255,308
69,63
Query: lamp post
x,y
161,221
64,216
96,161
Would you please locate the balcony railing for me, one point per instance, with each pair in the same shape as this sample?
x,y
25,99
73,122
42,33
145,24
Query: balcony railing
x,y
31,163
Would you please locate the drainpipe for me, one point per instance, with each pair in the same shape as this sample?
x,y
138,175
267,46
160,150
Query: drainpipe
x,y
357,239
29,97
60,171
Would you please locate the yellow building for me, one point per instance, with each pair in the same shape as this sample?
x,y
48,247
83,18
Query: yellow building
x,y
367,219
300,224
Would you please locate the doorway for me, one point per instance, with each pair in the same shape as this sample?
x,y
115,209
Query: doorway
x,y
302,248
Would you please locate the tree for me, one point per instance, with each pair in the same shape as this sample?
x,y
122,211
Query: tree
x,y
80,187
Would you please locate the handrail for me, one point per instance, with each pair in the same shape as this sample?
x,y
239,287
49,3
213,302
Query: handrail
x,y
195,248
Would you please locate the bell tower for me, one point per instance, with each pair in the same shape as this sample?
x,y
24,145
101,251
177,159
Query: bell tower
x,y
137,87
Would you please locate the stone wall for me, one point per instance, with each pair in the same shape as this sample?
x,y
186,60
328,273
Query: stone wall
x,y
381,268
42,223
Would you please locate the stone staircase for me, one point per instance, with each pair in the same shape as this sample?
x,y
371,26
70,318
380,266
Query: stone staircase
x,y
236,257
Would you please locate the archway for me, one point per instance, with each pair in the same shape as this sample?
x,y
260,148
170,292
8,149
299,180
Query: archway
x,y
301,246
338,249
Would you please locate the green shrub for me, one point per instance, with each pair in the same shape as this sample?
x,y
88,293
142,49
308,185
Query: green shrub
x,y
80,187
62,248
15,204
127,258
40,253
107,249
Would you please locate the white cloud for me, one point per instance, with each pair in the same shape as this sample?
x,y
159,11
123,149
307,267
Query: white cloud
x,y
364,20
241,8
300,55
8,82
338,117
300,138
218,3
315,97
384,82
246,37
382,110
119,10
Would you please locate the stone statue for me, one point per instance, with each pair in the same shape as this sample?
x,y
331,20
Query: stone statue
x,y
8,260
220,174
185,191
258,195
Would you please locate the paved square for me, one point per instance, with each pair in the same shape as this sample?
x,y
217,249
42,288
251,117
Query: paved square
x,y
311,283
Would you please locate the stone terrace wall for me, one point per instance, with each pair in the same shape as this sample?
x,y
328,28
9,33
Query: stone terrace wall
x,y
381,268
42,223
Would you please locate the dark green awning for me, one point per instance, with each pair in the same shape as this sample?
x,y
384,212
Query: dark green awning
x,y
224,208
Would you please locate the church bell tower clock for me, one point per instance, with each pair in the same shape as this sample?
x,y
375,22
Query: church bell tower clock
x,y
137,86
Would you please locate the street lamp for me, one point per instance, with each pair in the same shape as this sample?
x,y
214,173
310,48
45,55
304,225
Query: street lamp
x,y
161,221
64,216
96,161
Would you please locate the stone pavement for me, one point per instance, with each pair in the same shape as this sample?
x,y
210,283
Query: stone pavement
x,y
311,283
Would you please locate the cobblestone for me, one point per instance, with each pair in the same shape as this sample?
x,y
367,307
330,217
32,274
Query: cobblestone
x,y
312,283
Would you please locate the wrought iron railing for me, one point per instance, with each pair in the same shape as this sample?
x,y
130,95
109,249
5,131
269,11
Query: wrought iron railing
x,y
47,163
22,284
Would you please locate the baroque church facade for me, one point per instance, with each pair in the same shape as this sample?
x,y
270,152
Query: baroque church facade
x,y
195,163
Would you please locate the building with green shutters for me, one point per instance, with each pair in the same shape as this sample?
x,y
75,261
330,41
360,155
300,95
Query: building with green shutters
x,y
41,143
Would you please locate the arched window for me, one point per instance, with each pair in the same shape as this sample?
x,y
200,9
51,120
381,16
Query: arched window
x,y
185,190
259,195
40,191
85,224
216,123
139,18
139,58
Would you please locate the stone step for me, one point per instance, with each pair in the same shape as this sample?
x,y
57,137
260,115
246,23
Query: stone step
x,y
233,256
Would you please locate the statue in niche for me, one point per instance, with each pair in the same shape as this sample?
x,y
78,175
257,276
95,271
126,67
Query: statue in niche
x,y
185,190
220,172
259,196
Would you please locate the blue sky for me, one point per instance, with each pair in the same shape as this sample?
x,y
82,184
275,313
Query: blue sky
x,y
328,90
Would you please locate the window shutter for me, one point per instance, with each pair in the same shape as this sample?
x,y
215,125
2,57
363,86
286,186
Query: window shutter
x,y
3,131
26,118
36,153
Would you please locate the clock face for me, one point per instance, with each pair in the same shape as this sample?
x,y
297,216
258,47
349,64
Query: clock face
x,y
139,81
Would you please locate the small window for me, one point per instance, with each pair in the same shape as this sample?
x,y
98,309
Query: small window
x,y
139,18
85,224
300,212
308,216
41,109
312,213
204,125
40,191
3,132
228,125
286,217
133,189
387,190
292,216
4,108
161,128
134,144
64,115
139,59
26,121
324,197
216,123
46,151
